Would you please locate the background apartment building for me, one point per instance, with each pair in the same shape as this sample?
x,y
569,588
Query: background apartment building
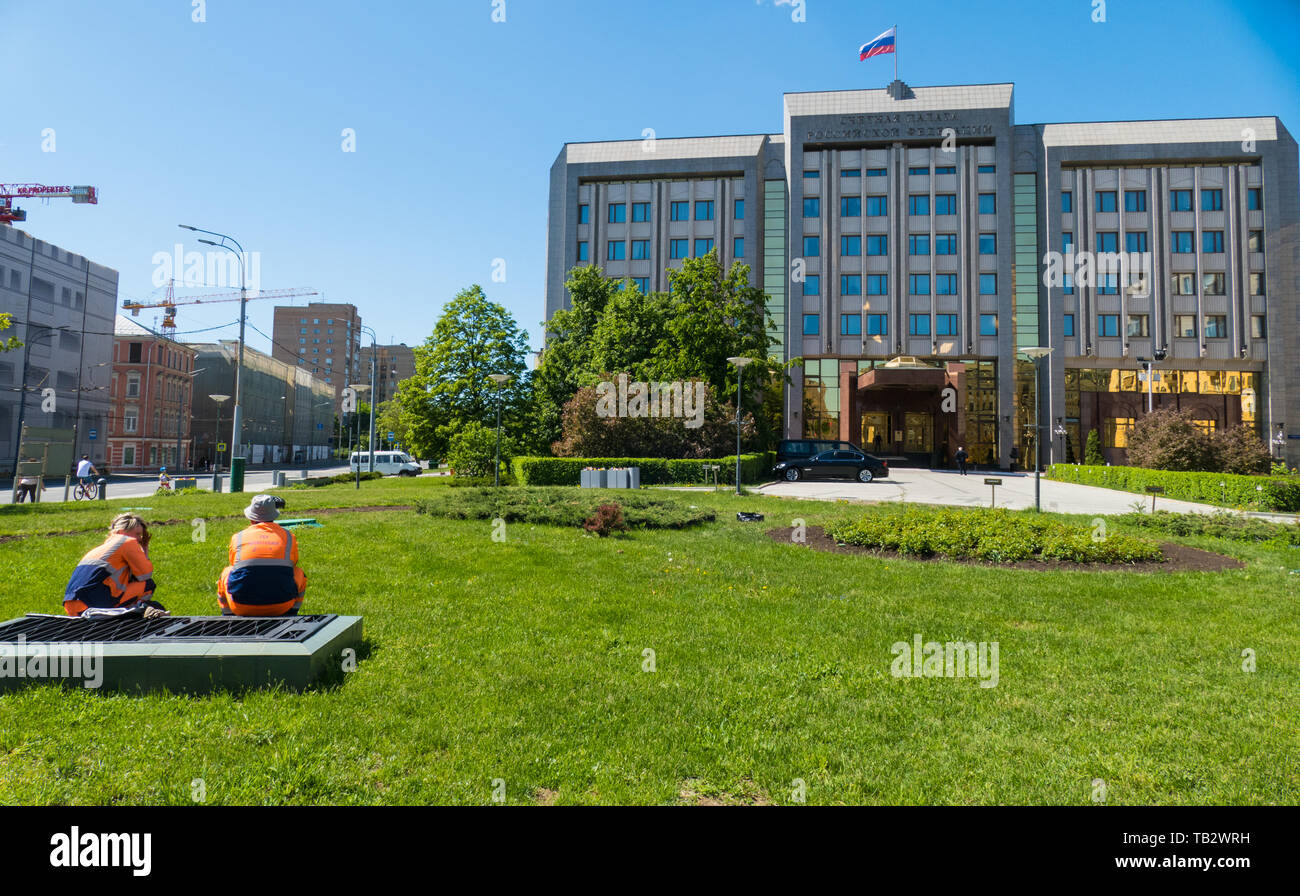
x,y
902,237
393,363
323,339
63,307
152,389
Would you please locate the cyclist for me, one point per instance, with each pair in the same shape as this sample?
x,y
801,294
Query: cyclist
x,y
164,481
85,469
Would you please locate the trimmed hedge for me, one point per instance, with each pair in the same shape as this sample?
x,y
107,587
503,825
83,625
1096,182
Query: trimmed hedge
x,y
1220,524
317,481
1223,489
654,470
554,506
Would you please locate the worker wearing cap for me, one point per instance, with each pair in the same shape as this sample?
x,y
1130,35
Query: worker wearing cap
x,y
263,578
116,575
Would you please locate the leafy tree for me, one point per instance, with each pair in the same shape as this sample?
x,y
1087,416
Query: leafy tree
x,y
472,450
8,345
1239,450
1169,440
452,386
1092,455
589,434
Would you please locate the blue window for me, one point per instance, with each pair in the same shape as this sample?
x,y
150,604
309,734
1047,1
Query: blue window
x,y
1254,199
877,325
584,214
811,324
946,169
640,211
1069,325
1067,202
918,244
876,172
1107,324
1180,200
740,210
850,324
738,247
703,247
918,205
1135,200
988,325
812,246
812,175
850,206
812,208
851,172
1182,242
919,284
987,169
616,250
617,212
582,250
1211,200
918,324
1067,243
678,248
1135,241
850,284
945,204
877,206
1067,284
918,172
1108,241
1216,326
643,284
704,210
877,284
679,211
945,244
1212,241
878,244
1107,284
1105,200
640,249
988,244
945,325
850,245
988,284
812,285
988,203
945,284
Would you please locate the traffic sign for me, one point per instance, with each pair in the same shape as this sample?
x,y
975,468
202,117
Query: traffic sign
x,y
221,446
391,436
93,434
320,425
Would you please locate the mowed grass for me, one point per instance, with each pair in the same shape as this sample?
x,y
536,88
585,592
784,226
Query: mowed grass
x,y
523,662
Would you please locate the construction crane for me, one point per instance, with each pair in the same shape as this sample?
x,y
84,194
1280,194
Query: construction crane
x,y
10,192
169,303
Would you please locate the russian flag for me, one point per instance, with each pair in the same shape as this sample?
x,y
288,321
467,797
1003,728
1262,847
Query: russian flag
x,y
878,47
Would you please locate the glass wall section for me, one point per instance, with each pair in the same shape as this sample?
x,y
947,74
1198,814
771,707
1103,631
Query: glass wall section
x,y
821,398
774,264
1024,269
982,411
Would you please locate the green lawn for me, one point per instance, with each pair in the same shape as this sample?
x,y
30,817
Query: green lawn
x,y
522,661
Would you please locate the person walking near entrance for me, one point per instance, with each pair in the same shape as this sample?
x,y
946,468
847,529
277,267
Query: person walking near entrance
x,y
1015,457
961,457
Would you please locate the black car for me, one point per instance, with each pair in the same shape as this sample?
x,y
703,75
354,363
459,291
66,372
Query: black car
x,y
802,449
839,463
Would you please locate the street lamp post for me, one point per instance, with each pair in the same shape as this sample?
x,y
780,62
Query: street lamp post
x,y
739,363
237,420
359,388
1147,366
1279,440
373,351
1037,354
500,379
216,442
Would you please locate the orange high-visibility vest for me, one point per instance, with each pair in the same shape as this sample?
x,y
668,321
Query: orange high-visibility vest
x,y
114,574
263,578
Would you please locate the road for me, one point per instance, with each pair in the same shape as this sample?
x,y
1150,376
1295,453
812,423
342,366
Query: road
x,y
144,486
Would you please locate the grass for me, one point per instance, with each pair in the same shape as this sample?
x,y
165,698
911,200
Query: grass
x,y
522,660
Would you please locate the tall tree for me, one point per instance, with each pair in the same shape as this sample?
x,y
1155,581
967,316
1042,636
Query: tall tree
x,y
7,345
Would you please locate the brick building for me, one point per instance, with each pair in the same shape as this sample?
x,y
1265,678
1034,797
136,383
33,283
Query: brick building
x,y
152,397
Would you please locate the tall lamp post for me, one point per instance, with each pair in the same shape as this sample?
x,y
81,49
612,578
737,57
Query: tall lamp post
x,y
739,364
220,400
500,379
359,388
373,352
1147,367
237,421
1279,441
1037,355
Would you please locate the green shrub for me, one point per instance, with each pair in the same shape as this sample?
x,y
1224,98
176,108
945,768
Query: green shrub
x,y
480,481
1092,455
994,536
555,506
607,518
1224,489
318,481
1216,525
538,471
473,450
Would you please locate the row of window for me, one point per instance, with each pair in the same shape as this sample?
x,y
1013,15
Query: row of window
x,y
917,324
917,204
1216,326
616,250
677,211
917,244
1181,242
915,171
1179,200
918,284
1213,283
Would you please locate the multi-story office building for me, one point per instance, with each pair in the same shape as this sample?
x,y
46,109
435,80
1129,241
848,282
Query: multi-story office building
x,y
62,308
151,392
322,338
913,242
393,363
288,413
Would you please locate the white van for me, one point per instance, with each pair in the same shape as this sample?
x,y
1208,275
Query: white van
x,y
390,463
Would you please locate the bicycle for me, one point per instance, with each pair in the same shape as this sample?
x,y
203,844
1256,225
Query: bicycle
x,y
84,491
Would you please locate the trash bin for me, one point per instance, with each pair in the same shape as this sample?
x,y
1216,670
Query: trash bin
x,y
236,474
181,482
101,489
633,477
216,483
618,478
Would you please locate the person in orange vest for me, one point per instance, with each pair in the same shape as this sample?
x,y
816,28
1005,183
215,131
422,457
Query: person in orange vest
x,y
116,577
263,578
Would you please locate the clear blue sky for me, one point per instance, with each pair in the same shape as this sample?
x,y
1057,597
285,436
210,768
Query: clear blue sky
x,y
234,124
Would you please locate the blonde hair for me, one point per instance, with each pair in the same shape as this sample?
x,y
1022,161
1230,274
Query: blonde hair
x,y
125,522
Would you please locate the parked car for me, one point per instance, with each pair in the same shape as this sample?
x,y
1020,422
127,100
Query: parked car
x,y
390,463
798,449
840,463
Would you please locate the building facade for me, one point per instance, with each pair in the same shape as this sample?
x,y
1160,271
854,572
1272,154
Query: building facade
x,y
151,391
393,363
322,338
914,242
62,308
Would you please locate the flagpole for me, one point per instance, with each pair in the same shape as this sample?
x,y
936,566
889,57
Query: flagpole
x,y
895,52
